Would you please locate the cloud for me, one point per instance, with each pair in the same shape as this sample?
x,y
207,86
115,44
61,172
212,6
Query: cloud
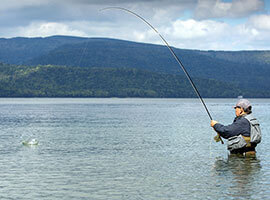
x,y
196,29
261,22
204,35
207,9
15,5
132,2
44,29
190,34
209,35
61,10
254,34
191,24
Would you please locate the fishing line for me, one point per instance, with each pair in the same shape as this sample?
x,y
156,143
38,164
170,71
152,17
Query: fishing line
x,y
83,52
172,52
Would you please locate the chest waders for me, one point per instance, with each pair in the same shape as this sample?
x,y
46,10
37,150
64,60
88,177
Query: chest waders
x,y
246,145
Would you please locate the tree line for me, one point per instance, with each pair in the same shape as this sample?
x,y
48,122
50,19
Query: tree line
x,y
64,81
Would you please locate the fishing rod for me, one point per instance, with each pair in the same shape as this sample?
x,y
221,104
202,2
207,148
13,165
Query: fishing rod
x,y
174,55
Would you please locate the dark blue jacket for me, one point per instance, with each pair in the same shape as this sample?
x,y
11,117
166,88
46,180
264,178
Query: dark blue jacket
x,y
239,126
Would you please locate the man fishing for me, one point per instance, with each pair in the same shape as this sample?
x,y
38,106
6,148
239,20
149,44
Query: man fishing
x,y
244,133
239,128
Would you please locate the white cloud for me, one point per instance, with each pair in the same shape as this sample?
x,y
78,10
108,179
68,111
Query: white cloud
x,y
254,34
189,29
43,29
189,34
218,9
261,22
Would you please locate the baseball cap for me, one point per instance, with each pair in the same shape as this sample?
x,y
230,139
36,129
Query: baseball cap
x,y
243,103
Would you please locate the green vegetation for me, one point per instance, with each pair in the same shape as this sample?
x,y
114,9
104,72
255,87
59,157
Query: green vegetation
x,y
247,69
105,67
62,81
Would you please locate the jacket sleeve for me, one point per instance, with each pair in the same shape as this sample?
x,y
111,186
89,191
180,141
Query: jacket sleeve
x,y
236,128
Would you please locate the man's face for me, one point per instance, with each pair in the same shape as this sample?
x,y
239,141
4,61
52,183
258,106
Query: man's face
x,y
238,111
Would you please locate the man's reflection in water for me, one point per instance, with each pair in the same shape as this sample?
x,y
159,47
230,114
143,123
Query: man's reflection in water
x,y
237,176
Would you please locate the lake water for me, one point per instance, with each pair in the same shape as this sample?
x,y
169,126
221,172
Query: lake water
x,y
150,149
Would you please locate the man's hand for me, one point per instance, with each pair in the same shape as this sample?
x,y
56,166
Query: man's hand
x,y
217,138
213,123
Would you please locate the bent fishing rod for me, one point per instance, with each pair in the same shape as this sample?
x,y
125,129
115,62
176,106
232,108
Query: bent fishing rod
x,y
174,55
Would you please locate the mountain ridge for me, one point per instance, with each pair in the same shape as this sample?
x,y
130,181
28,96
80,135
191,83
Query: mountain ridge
x,y
247,70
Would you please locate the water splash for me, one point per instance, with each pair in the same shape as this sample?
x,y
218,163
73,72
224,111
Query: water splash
x,y
30,142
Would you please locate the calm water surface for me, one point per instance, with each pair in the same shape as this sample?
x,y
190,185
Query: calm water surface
x,y
150,149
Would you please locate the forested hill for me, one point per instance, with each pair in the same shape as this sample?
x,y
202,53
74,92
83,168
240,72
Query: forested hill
x,y
63,81
19,50
247,70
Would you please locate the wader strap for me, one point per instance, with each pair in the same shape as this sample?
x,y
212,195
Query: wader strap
x,y
249,149
247,139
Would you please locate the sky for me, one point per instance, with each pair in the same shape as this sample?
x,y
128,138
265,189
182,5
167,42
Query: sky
x,y
188,24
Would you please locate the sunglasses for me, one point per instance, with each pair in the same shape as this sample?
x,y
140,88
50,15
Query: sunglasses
x,y
237,107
